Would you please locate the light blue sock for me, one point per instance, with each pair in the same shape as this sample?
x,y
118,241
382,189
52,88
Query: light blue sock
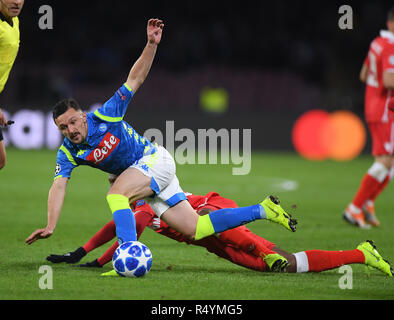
x,y
229,218
125,225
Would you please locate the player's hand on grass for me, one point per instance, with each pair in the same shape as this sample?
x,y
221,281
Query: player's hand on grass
x,y
154,30
39,234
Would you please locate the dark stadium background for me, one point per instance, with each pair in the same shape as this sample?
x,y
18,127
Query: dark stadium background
x,y
275,59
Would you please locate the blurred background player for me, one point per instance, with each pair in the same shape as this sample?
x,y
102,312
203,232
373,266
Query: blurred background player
x,y
3,122
238,245
9,45
9,36
378,74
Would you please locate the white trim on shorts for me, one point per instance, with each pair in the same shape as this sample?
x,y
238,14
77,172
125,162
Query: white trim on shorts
x,y
160,167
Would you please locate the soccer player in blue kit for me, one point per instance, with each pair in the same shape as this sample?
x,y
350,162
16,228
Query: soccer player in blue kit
x,y
103,140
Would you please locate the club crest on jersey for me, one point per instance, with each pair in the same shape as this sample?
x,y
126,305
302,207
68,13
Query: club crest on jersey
x,y
103,127
104,149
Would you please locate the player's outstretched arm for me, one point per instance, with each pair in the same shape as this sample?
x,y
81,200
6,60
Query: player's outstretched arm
x,y
56,196
364,73
141,67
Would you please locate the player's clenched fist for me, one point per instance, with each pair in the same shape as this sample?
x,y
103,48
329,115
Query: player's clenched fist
x,y
154,30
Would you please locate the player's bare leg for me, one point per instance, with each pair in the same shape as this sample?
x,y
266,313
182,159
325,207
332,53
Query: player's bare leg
x,y
292,266
132,184
183,218
360,212
369,206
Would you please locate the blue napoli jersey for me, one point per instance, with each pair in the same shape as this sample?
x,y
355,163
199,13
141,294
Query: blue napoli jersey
x,y
112,145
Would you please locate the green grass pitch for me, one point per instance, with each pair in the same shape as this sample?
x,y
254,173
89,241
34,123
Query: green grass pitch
x,y
320,190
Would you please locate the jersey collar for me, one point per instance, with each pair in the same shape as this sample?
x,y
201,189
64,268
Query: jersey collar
x,y
3,18
387,34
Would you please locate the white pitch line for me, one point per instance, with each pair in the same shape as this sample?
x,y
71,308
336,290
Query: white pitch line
x,y
274,184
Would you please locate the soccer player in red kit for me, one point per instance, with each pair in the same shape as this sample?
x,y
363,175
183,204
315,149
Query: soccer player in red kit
x,y
238,245
378,74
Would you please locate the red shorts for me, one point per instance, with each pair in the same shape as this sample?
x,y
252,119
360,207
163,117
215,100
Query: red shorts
x,y
212,201
235,254
382,138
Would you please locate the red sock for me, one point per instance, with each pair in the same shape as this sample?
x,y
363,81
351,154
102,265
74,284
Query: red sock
x,y
243,239
369,186
107,255
381,187
108,232
320,260
104,235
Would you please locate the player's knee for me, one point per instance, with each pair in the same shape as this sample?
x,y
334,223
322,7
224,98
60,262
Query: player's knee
x,y
292,267
386,161
116,190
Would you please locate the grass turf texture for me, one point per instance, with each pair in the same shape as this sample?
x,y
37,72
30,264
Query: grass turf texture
x,y
323,189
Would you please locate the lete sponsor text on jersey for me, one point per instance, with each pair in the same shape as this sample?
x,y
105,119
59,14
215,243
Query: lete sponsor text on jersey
x,y
104,149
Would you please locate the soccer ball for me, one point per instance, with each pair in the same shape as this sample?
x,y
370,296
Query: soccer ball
x,y
132,259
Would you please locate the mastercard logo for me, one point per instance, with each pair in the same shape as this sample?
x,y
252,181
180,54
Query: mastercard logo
x,y
319,135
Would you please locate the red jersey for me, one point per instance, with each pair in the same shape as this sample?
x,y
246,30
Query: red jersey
x,y
380,59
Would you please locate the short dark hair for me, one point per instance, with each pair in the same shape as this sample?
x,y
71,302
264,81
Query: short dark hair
x,y
390,15
63,105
